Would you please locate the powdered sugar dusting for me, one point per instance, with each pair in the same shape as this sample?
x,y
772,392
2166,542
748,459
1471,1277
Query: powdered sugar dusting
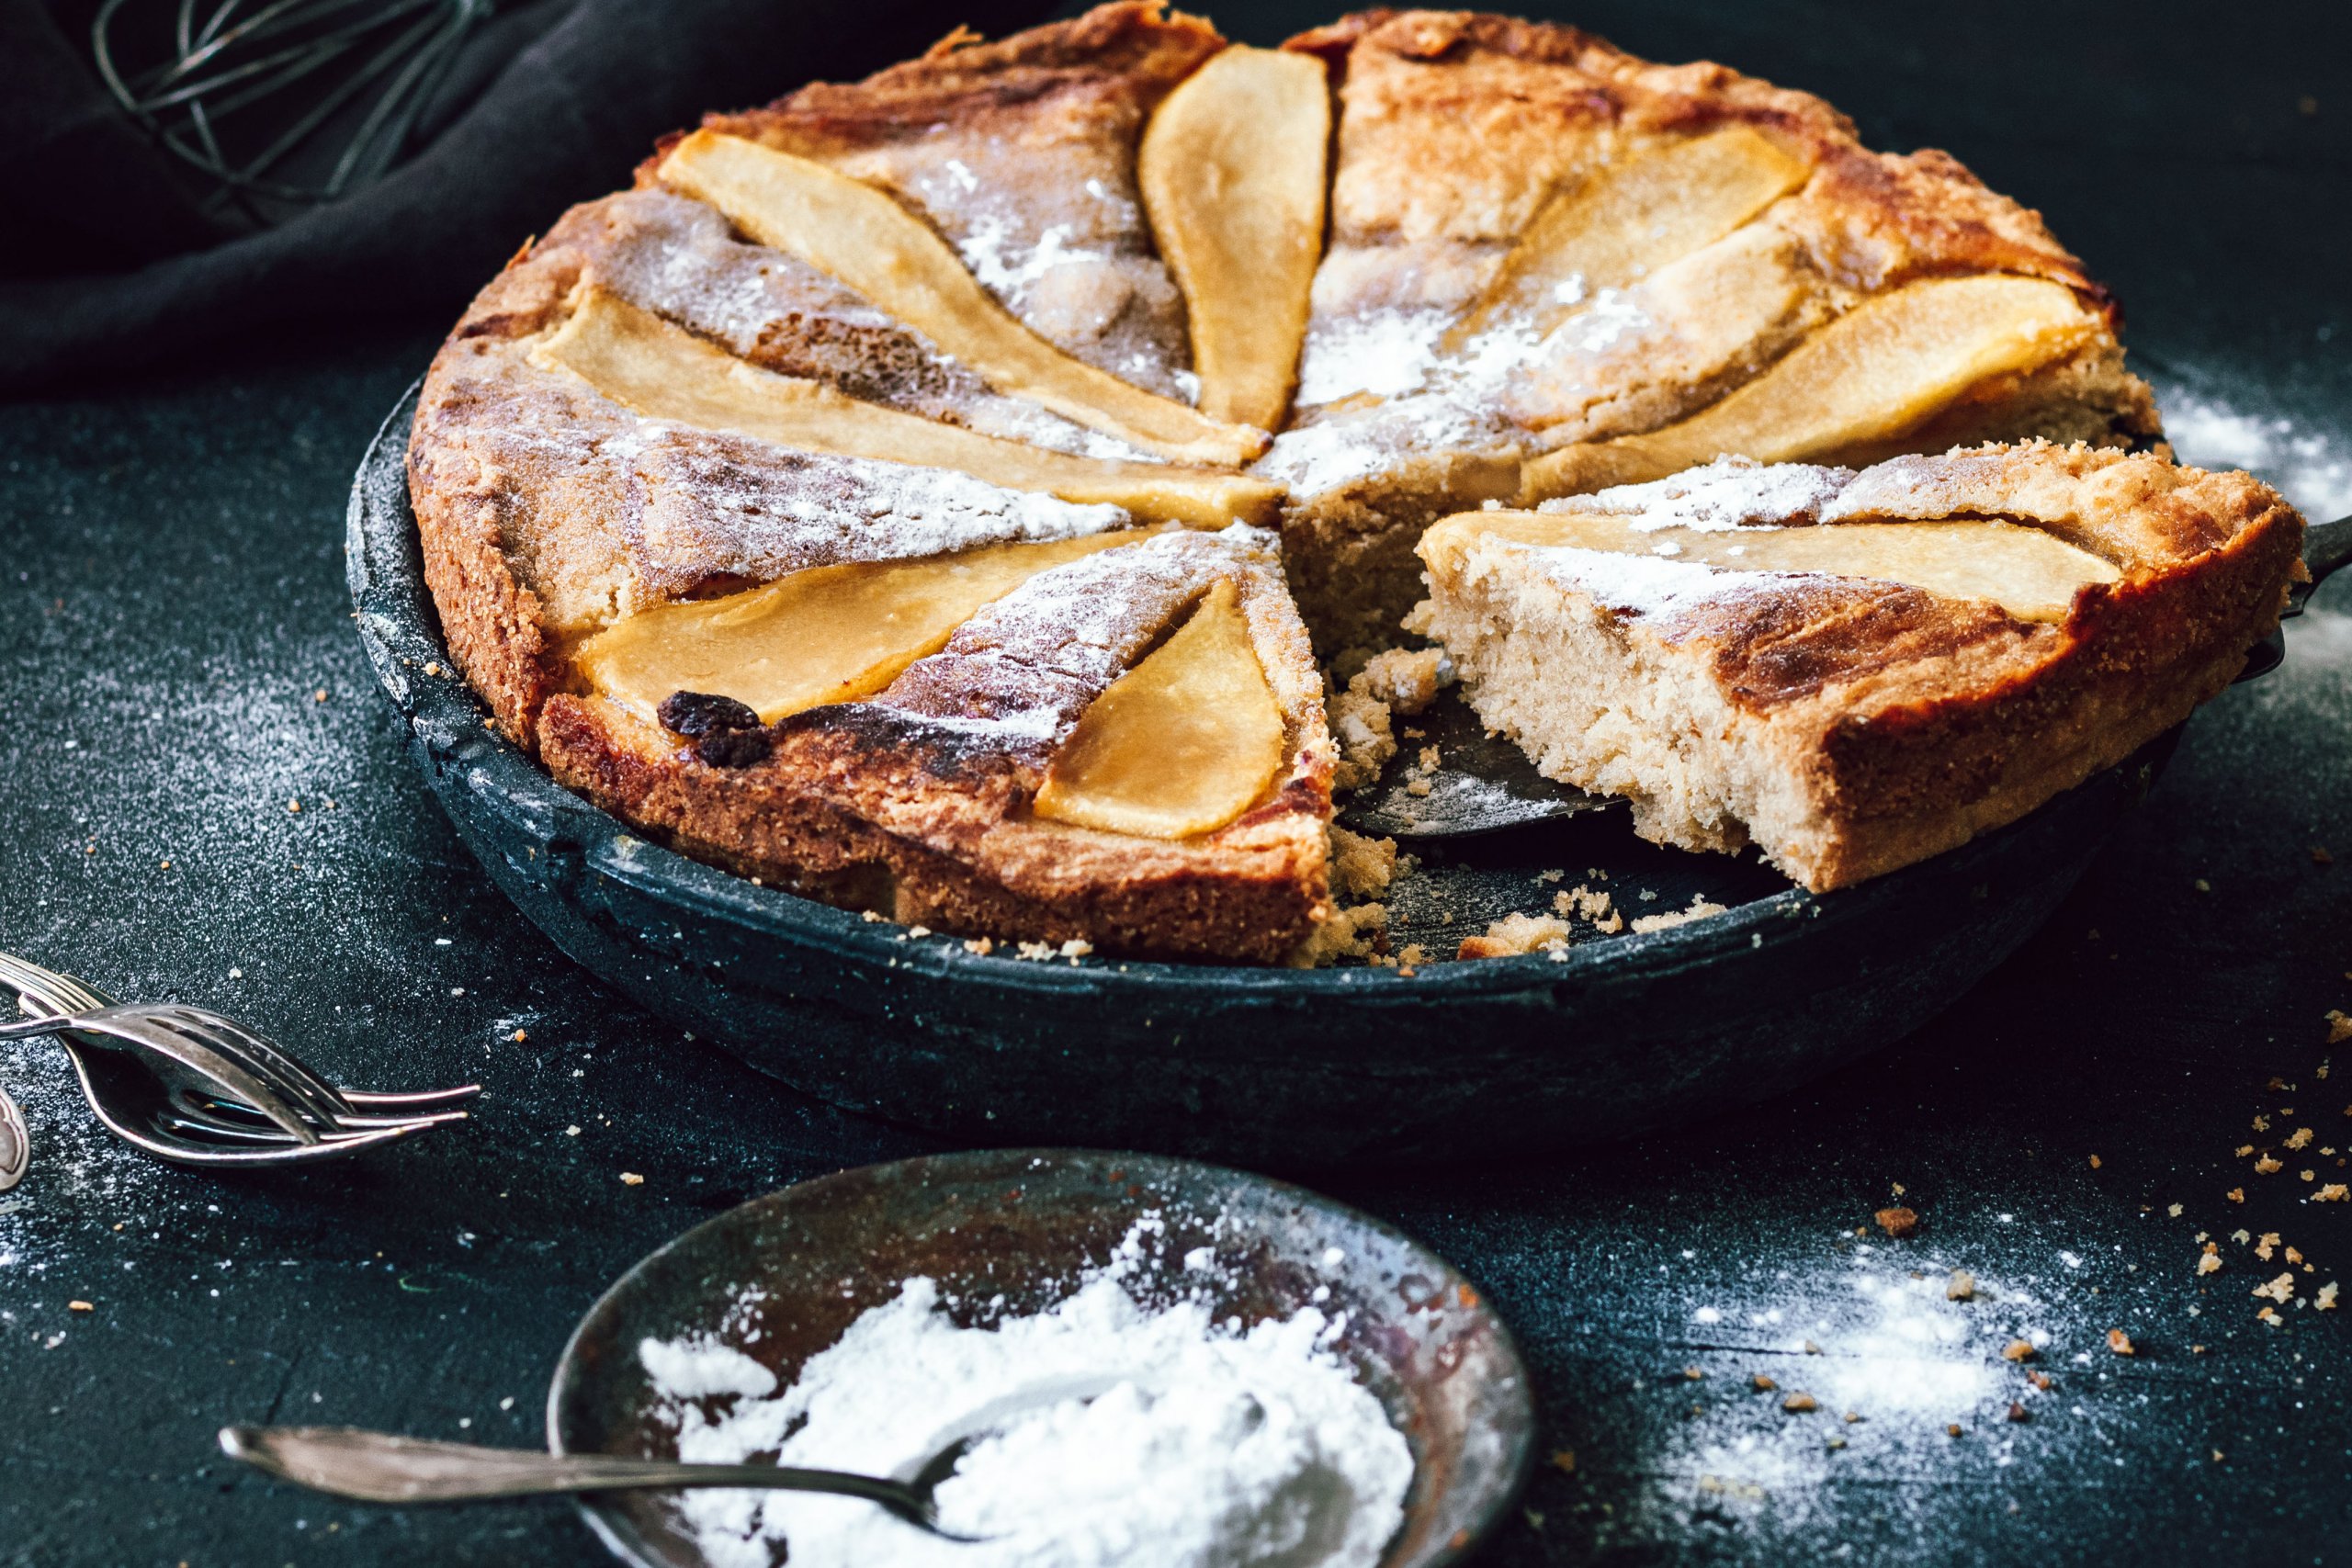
x,y
1425,403
702,503
1721,496
2310,467
1645,585
678,258
1022,670
1145,1436
1383,352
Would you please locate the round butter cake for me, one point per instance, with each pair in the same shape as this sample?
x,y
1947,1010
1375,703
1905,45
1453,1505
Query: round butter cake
x,y
938,495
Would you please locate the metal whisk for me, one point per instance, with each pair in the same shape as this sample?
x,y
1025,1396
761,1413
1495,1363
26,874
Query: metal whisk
x,y
248,95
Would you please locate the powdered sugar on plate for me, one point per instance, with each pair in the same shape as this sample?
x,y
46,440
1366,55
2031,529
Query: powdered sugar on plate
x,y
1145,1436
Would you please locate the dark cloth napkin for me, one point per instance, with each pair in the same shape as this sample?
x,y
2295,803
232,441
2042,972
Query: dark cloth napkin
x,y
111,263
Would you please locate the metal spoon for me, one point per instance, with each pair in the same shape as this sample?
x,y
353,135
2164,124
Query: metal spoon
x,y
16,1143
1485,783
382,1467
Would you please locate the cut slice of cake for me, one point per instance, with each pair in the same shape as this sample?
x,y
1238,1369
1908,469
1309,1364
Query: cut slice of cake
x,y
1856,670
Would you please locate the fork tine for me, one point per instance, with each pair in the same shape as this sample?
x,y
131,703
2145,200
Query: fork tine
x,y
365,1100
261,1056
62,993
55,992
185,1151
229,1118
137,1027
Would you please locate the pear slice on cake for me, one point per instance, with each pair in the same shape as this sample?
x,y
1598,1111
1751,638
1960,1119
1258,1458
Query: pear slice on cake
x,y
1655,205
1875,373
831,634
2031,574
858,234
1232,168
1180,744
642,362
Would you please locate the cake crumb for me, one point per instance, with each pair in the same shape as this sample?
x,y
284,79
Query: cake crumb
x,y
78,1305
2281,1290
1582,902
1897,1223
1406,679
1765,1384
1565,1461
1514,934
2121,1342
2325,1298
2018,1351
2334,1192
2339,1026
631,1179
2300,1138
1359,726
981,945
2236,1194
1961,1287
1798,1404
1362,866
2266,1245
2267,1165
2209,1264
1076,948
2173,1210
2016,1411
1700,907
1357,932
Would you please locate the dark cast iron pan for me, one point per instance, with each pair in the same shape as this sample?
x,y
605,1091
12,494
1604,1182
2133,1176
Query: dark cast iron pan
x,y
1277,1068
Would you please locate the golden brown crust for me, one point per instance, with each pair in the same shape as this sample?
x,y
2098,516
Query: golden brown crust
x,y
1490,114
1908,722
865,819
1022,150
1056,81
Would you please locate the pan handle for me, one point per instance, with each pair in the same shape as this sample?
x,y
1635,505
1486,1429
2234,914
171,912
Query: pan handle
x,y
2327,547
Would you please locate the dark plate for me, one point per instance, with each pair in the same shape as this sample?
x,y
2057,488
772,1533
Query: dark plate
x,y
1269,1067
1025,1222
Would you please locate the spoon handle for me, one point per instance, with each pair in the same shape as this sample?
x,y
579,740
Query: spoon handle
x,y
382,1467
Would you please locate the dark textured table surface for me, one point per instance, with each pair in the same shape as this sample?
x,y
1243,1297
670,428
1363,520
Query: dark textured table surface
x,y
177,672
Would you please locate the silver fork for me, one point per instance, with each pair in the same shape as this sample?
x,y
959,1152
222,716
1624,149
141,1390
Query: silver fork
x,y
197,1087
